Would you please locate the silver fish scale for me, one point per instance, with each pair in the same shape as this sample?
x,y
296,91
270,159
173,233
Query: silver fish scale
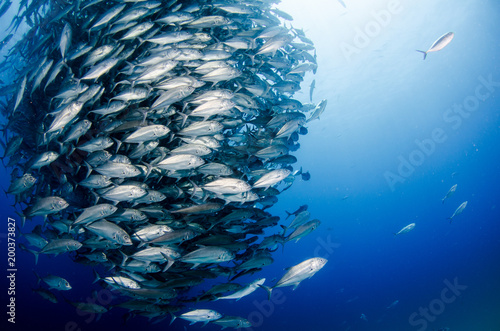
x,y
152,121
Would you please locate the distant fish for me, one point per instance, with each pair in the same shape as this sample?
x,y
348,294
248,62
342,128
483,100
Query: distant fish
x,y
342,3
311,89
392,305
458,211
301,209
439,44
406,229
352,299
363,317
450,192
46,294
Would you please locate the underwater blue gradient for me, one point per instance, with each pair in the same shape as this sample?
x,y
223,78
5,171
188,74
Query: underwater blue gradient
x,y
381,100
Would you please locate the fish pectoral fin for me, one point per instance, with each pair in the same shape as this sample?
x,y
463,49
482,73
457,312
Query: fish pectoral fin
x,y
296,285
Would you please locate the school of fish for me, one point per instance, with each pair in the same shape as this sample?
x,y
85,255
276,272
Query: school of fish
x,y
151,137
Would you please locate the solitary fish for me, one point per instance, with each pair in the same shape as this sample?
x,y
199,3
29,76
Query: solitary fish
x,y
392,305
406,229
450,192
298,273
54,282
458,211
439,44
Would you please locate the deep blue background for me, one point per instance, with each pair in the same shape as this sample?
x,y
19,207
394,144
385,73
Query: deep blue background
x,y
380,100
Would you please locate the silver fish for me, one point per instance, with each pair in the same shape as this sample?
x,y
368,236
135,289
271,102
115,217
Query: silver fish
x,y
110,231
123,193
65,41
406,229
181,162
201,129
458,211
450,192
298,273
227,186
439,44
46,206
247,290
151,132
94,213
209,254
271,178
199,315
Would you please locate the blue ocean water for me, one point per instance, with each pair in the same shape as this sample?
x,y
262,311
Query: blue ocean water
x,y
397,134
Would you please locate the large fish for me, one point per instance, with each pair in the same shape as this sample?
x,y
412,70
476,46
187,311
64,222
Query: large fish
x,y
298,273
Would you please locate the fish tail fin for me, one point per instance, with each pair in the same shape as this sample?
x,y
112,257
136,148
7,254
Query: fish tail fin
x,y
35,253
118,144
97,277
288,214
125,258
395,234
23,217
37,277
284,230
442,200
89,169
173,318
149,168
184,118
425,53
268,289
